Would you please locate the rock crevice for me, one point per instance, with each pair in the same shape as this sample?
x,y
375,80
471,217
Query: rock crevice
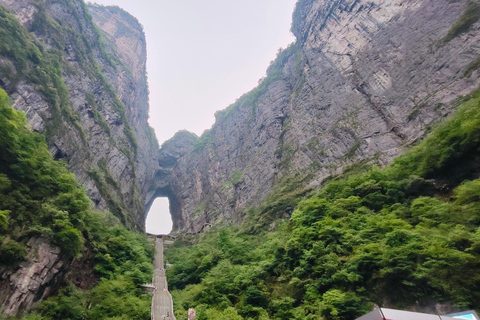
x,y
35,278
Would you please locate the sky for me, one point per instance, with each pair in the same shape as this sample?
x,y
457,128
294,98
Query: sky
x,y
201,57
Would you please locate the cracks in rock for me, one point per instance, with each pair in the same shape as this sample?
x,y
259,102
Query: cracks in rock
x,y
36,278
328,15
349,9
361,87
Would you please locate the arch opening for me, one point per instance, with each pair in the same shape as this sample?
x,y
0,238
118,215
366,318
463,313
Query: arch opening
x,y
159,219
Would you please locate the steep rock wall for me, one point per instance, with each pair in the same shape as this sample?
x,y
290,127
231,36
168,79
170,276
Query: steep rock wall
x,y
127,40
88,95
36,278
99,125
363,80
172,150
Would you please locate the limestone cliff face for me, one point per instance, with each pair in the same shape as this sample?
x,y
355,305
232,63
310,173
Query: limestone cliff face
x,y
170,153
85,89
364,80
126,36
36,278
127,40
100,128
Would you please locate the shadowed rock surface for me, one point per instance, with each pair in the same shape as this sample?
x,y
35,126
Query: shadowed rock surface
x,y
36,278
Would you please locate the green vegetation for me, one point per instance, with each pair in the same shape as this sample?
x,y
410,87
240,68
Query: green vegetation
x,y
40,198
250,99
200,208
351,152
123,262
112,193
29,59
102,183
152,138
96,114
470,16
280,202
300,8
450,142
86,47
473,66
286,151
204,140
404,235
237,177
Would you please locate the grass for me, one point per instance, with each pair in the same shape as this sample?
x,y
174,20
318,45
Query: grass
x,y
237,177
473,66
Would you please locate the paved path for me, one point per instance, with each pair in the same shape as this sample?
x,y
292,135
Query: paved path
x,y
162,303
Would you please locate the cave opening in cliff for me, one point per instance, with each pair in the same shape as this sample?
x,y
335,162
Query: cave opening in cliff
x,y
159,219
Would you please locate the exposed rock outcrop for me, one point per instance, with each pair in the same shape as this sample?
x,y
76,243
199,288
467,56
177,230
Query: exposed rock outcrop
x,y
86,90
127,39
36,278
364,80
171,151
100,125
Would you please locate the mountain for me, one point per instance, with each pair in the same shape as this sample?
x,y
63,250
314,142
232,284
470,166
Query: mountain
x,y
80,78
347,180
363,80
93,104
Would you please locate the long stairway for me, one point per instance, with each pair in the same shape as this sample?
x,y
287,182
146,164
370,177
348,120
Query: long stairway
x,y
162,303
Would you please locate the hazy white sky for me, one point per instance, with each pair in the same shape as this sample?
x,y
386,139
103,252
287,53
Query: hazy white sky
x,y
201,56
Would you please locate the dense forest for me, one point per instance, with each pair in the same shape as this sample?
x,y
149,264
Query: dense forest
x,y
40,198
400,236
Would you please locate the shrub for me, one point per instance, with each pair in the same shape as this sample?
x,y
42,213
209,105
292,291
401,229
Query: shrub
x,y
12,253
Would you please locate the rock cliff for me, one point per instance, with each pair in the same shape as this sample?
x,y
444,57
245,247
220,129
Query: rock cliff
x,y
363,80
81,81
171,151
36,278
127,40
94,112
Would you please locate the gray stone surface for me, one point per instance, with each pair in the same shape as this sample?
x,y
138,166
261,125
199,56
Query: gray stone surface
x,y
36,278
365,80
44,268
369,78
124,41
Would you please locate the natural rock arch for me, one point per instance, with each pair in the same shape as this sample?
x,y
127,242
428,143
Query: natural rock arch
x,y
169,154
